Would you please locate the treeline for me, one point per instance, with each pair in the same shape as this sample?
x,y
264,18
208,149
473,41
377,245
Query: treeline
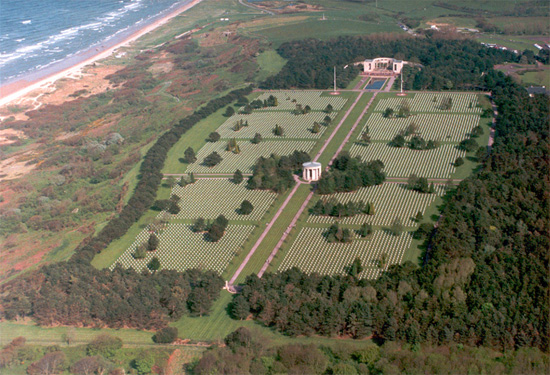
x,y
485,277
277,172
76,294
310,62
349,174
332,207
247,352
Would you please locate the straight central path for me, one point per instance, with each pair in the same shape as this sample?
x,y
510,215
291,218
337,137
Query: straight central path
x,y
290,195
310,195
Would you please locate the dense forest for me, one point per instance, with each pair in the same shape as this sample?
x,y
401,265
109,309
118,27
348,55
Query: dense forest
x,y
485,276
446,64
248,352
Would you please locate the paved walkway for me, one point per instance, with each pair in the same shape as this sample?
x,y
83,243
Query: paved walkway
x,y
306,202
290,195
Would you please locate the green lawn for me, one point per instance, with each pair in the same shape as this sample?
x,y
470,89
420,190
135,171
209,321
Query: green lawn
x,y
270,63
55,336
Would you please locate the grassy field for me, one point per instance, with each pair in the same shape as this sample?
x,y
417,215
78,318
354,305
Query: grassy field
x,y
270,63
56,336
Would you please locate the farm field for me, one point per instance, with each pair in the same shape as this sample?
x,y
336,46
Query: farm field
x,y
424,103
437,127
246,159
390,201
312,253
180,248
263,122
402,162
219,193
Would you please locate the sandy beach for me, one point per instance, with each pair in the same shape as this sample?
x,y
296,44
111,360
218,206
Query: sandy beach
x,y
18,89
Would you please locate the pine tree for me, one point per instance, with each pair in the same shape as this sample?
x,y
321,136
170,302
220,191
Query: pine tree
x,y
189,156
152,243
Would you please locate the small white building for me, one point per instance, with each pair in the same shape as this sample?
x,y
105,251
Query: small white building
x,y
312,171
383,65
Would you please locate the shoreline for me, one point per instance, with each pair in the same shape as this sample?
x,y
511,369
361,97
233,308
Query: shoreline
x,y
15,90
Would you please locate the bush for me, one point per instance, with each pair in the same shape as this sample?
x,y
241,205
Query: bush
x,y
104,345
167,335
459,161
154,264
199,225
153,242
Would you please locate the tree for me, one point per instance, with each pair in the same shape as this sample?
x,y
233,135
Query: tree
x,y
237,177
477,131
229,111
167,335
198,302
411,129
327,120
481,153
388,113
141,251
174,208
398,141
51,363
396,227
152,242
412,181
144,363
215,232
104,345
404,109
459,161
419,216
240,338
214,137
91,366
246,208
199,225
240,308
365,137
189,156
417,143
356,267
257,138
316,128
154,264
213,159
328,108
278,130
233,146
366,229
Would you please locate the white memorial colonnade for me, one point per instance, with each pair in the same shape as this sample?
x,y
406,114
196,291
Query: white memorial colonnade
x,y
312,171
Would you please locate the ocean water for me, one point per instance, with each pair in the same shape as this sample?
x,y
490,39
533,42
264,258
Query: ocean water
x,y
38,35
